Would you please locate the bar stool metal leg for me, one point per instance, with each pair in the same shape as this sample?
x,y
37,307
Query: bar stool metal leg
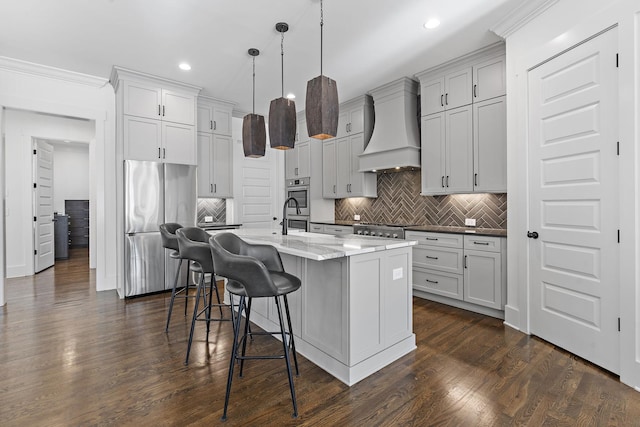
x,y
199,290
291,339
285,347
232,362
173,295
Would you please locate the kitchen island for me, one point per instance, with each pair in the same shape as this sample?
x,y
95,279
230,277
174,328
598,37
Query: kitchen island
x,y
352,315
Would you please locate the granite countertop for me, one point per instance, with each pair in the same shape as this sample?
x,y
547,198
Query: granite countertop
x,y
320,247
495,232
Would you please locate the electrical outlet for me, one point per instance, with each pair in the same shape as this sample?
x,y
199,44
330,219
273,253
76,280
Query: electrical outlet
x,y
208,219
470,222
356,217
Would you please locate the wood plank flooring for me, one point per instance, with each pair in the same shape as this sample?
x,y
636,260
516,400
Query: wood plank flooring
x,y
72,357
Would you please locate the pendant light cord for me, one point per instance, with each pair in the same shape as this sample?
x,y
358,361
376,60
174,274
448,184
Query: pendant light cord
x,y
282,60
254,85
321,25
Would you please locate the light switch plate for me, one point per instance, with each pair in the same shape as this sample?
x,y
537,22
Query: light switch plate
x,y
470,222
356,217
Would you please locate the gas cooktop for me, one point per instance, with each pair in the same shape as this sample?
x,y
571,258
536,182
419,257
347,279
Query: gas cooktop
x,y
393,231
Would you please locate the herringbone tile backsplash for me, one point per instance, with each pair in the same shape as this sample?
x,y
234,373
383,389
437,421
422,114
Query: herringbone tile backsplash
x,y
217,208
399,202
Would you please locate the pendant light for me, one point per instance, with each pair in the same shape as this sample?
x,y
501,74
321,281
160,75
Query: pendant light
x,y
321,107
254,137
282,111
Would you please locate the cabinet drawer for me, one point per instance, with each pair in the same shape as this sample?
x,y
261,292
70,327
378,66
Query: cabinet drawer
x,y
316,228
483,243
436,282
338,230
435,239
442,259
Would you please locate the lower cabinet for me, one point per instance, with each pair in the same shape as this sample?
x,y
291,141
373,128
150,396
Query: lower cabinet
x,y
336,230
461,270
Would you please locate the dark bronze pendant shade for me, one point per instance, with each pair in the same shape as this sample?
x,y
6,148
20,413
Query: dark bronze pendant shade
x,y
321,108
254,136
321,105
282,111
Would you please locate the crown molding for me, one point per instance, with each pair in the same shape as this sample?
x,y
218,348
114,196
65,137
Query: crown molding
x,y
30,68
519,17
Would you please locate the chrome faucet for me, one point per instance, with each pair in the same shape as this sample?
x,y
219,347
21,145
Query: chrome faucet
x,y
284,214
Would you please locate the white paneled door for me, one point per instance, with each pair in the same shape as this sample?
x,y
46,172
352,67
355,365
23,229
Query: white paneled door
x,y
573,205
43,217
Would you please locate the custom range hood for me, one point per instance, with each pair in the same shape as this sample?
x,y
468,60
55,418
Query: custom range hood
x,y
395,143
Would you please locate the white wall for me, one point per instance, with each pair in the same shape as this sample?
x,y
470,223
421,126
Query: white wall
x,y
32,87
70,174
21,127
560,27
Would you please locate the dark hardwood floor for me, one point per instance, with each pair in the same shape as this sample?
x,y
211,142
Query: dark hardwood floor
x,y
72,357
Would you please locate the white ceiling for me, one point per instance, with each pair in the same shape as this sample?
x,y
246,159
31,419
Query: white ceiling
x,y
367,43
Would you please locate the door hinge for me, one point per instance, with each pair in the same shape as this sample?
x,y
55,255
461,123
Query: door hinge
x,y
34,151
618,324
618,148
35,252
618,235
617,59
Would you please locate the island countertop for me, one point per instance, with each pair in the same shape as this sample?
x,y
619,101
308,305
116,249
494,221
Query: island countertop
x,y
319,247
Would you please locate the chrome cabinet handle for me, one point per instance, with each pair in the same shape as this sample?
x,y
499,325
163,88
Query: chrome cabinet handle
x,y
334,189
215,188
447,181
215,125
442,181
211,188
475,179
446,98
481,243
431,238
164,153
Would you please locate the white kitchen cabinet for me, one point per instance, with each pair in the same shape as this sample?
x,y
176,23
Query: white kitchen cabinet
x,y
448,91
447,152
337,230
490,146
316,228
149,100
353,115
350,182
215,170
155,118
298,161
465,271
484,275
302,134
489,79
214,116
153,140
329,170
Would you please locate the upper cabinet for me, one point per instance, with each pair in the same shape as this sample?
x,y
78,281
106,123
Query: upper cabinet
x,y
298,160
215,148
340,155
214,116
464,143
156,118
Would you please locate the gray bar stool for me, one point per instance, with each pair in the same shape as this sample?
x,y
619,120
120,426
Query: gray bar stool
x,y
193,244
255,271
170,241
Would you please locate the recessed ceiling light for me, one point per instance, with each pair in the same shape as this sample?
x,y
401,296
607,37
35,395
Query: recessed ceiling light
x,y
291,96
432,23
184,66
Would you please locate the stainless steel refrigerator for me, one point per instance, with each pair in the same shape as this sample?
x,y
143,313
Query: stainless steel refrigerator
x,y
154,193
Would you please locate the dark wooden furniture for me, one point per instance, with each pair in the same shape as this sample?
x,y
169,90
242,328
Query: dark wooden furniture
x,y
61,236
78,211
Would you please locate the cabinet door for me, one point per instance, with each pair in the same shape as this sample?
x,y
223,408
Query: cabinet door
x,y
205,118
290,163
356,183
142,100
222,171
432,96
304,159
459,150
178,107
343,124
302,133
142,139
205,184
343,163
222,120
329,186
433,154
483,278
490,146
458,88
178,144
489,79
356,120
